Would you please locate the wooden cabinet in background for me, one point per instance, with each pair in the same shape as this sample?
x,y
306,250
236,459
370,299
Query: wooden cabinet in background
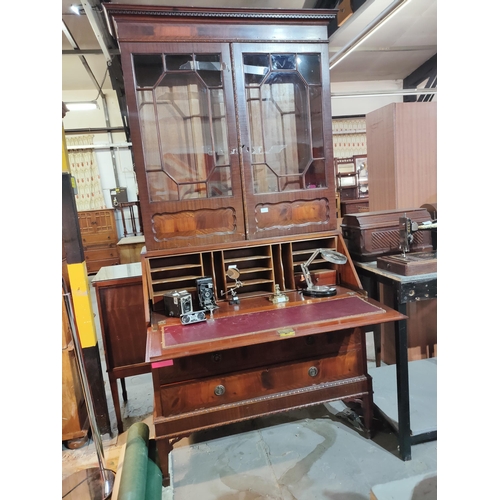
x,y
401,143
120,302
99,238
402,147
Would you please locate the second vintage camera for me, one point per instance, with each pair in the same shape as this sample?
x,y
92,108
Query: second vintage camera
x,y
178,303
206,296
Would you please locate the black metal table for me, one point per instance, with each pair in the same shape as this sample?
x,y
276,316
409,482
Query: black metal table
x,y
405,289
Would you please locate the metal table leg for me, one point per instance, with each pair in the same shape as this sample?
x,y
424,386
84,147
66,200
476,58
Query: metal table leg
x,y
403,389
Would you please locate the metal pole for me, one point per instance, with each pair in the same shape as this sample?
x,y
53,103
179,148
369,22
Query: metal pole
x,y
106,475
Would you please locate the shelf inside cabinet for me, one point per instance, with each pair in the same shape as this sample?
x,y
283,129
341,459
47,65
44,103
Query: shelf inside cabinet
x,y
255,269
256,282
176,279
245,259
173,268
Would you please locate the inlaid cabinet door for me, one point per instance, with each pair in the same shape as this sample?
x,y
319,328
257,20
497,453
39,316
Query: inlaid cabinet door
x,y
184,125
284,111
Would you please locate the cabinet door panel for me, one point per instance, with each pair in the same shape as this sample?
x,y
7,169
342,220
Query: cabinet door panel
x,y
184,122
285,126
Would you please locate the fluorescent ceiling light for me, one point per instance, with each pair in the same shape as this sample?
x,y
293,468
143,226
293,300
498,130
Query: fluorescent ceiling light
x,y
77,9
82,106
371,28
379,93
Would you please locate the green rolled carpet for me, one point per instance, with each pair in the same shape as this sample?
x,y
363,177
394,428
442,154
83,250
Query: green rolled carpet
x,y
134,477
155,477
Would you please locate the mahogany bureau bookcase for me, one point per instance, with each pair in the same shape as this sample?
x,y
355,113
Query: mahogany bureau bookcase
x,y
230,123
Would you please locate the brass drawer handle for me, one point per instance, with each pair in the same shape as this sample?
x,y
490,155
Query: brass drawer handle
x,y
219,390
313,371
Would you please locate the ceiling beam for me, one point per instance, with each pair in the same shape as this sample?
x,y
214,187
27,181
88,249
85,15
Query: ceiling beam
x,y
93,9
88,52
73,43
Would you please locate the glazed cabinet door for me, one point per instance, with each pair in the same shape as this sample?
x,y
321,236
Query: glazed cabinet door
x,y
284,115
183,124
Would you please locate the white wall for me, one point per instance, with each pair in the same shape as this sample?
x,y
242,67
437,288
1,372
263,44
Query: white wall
x,y
348,106
125,176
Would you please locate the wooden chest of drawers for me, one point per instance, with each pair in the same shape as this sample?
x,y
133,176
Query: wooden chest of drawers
x,y
99,238
264,359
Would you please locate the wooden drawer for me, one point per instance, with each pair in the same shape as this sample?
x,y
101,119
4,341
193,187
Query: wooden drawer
x,y
350,193
99,239
211,392
102,253
354,206
255,356
93,266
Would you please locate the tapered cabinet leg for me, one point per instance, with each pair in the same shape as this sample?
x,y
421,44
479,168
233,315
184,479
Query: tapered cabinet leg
x,y
164,447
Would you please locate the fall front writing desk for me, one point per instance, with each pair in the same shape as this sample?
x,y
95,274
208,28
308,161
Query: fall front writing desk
x,y
259,358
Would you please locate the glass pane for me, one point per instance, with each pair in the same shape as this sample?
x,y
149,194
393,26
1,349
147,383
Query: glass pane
x,y
149,134
219,183
209,69
283,61
291,183
147,69
264,179
161,187
286,123
184,128
310,67
256,67
178,61
316,107
219,127
192,191
315,175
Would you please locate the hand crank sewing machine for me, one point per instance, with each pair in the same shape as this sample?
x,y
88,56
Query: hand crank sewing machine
x,y
401,241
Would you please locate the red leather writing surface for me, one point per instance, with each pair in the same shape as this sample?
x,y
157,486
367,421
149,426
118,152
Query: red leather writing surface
x,y
281,318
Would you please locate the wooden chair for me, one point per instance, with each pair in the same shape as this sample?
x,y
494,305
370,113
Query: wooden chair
x,y
135,218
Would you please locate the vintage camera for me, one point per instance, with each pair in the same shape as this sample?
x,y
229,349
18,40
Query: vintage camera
x,y
178,303
205,289
193,317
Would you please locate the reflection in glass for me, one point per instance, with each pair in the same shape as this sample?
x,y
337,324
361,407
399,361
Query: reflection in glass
x,y
178,61
148,69
255,66
208,66
184,128
309,67
283,61
285,122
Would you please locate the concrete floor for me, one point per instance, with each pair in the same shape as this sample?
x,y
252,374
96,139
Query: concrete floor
x,y
313,453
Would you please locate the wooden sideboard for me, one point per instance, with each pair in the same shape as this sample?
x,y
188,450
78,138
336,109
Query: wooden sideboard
x,y
123,326
99,238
